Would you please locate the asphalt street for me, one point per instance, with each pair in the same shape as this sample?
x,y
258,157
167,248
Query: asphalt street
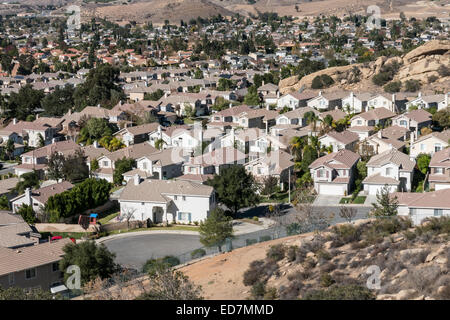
x,y
134,250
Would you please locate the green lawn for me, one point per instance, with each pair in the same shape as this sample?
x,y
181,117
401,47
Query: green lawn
x,y
108,218
358,200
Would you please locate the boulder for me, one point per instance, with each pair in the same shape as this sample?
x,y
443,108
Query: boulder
x,y
406,294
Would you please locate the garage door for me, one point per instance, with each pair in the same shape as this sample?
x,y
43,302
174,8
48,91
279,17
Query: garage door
x,y
337,190
441,186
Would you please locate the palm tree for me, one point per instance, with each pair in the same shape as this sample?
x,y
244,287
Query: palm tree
x,y
312,119
296,146
315,143
159,144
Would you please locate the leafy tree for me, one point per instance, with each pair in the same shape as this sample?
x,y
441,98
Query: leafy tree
x,y
10,148
41,141
216,229
27,213
154,96
99,88
75,168
235,188
442,117
159,144
423,162
252,97
94,260
58,102
386,205
122,166
322,81
111,143
24,102
94,165
27,180
94,129
270,185
55,166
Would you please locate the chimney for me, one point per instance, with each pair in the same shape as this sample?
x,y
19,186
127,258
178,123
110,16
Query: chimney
x,y
420,94
230,105
70,111
96,144
278,94
159,132
15,121
446,99
320,92
393,98
37,116
262,83
137,179
98,106
28,195
379,135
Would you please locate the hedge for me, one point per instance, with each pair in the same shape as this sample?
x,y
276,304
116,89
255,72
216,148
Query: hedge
x,y
91,193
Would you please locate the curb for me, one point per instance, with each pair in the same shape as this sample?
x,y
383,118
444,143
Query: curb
x,y
137,233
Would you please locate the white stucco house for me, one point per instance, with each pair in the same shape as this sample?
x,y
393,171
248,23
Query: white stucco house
x,y
430,143
166,201
392,168
334,173
419,206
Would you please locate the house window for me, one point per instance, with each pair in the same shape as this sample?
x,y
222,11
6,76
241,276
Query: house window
x,y
259,171
439,170
144,165
359,122
184,198
422,147
11,278
105,163
388,171
437,147
55,266
412,212
175,197
184,216
30,273
403,123
438,212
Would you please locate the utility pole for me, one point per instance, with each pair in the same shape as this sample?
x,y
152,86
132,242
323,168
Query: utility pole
x,y
289,185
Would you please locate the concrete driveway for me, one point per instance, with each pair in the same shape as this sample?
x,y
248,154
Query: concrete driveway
x,y
327,200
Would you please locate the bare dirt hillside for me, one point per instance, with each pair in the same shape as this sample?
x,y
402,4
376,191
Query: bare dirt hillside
x,y
413,263
426,63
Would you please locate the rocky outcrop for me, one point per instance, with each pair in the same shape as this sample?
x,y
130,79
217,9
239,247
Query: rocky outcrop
x,y
422,63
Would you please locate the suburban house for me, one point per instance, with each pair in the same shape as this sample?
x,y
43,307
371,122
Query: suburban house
x,y
430,143
438,101
166,201
38,198
439,177
390,137
326,101
106,162
413,120
340,140
31,132
166,134
276,164
162,165
294,100
32,267
15,232
392,102
392,168
334,173
295,117
421,205
36,160
372,117
269,93
227,118
137,134
214,161
356,102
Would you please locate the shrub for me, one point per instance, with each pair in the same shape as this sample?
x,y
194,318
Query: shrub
x,y
258,290
326,280
420,279
347,233
434,225
270,294
293,229
322,81
249,242
291,253
412,85
255,218
323,255
198,253
393,86
309,263
152,264
276,252
292,291
409,235
253,273
341,292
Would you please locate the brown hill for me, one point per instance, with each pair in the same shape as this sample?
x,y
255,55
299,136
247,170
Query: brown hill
x,y
426,63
